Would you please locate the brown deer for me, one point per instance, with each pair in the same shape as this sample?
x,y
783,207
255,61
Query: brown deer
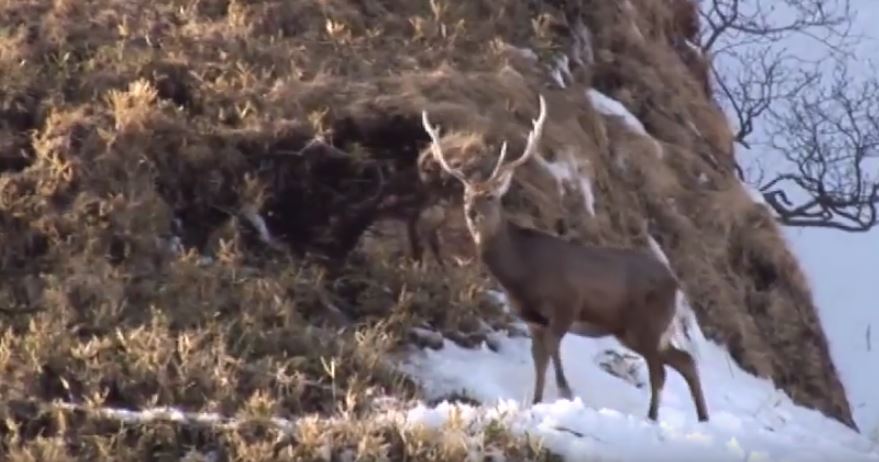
x,y
557,286
422,217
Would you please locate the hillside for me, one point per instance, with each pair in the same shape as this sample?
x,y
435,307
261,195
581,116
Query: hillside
x,y
201,205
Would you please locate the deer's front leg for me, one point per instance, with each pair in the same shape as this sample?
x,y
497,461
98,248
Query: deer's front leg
x,y
540,356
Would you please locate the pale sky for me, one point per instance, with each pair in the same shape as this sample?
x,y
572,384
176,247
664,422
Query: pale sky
x,y
843,268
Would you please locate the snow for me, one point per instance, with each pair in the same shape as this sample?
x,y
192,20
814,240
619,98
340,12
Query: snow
x,y
841,269
606,420
588,197
685,324
610,107
256,220
561,70
566,171
841,266
754,194
750,419
170,414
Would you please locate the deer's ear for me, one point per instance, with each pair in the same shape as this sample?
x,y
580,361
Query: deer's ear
x,y
502,183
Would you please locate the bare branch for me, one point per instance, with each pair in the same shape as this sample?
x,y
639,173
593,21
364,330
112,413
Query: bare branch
x,y
830,136
827,132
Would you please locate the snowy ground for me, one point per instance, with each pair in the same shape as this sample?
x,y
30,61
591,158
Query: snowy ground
x,y
841,266
750,419
842,272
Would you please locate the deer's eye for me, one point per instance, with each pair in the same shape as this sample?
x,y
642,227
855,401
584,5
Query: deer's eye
x,y
471,214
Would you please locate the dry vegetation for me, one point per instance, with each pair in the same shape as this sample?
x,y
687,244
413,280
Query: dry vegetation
x,y
136,137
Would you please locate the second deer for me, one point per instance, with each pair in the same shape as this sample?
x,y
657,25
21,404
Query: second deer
x,y
558,287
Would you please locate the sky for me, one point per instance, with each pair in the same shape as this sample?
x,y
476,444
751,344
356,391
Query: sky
x,y
841,266
750,419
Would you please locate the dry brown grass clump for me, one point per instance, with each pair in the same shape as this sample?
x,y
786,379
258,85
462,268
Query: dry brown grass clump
x,y
140,139
255,434
140,135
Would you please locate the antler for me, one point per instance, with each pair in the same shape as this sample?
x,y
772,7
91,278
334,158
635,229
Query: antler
x,y
437,150
533,140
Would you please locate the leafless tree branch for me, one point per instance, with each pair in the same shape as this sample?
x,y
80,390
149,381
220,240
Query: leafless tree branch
x,y
827,133
830,133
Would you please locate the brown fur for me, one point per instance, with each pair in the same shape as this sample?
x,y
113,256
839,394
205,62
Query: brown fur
x,y
243,84
559,287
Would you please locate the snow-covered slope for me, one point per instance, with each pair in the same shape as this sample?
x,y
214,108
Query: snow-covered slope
x,y
841,266
842,272
750,419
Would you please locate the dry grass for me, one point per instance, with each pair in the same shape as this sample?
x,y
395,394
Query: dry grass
x,y
86,434
125,123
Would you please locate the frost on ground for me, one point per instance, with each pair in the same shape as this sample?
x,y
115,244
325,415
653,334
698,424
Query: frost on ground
x,y
750,418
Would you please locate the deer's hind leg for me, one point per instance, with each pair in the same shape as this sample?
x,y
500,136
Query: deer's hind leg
x,y
553,340
647,345
656,369
682,362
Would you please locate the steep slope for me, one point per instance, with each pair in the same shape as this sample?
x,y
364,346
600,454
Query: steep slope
x,y
750,418
190,192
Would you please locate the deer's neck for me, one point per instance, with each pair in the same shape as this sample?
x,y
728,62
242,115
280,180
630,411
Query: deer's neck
x,y
502,257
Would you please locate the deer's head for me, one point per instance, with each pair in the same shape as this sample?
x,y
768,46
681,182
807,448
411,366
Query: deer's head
x,y
482,198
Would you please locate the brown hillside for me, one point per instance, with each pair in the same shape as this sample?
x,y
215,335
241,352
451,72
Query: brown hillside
x,y
125,123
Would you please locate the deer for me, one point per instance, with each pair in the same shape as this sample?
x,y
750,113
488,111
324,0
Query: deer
x,y
558,287
422,216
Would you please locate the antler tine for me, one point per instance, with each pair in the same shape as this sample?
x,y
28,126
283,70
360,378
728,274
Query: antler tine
x,y
533,137
530,148
500,161
437,151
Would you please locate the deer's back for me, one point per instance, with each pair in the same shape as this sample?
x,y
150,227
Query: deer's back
x,y
600,283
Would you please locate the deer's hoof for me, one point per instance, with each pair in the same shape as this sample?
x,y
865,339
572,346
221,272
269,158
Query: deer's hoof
x,y
566,393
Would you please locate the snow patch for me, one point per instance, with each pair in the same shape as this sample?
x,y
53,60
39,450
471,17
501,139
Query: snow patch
x,y
171,414
581,48
610,107
750,419
754,193
685,331
695,48
565,171
256,220
588,196
561,70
